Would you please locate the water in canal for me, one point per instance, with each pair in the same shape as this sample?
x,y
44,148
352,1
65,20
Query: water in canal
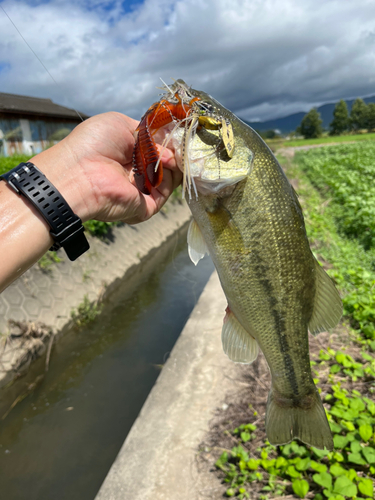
x,y
60,441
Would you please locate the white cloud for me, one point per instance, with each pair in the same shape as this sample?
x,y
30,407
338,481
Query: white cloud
x,y
260,58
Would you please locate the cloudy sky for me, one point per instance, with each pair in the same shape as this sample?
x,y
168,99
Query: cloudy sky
x,y
260,58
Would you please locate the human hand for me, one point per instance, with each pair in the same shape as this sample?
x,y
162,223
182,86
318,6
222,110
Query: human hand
x,y
92,168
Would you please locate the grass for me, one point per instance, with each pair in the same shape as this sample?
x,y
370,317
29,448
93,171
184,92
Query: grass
x,y
294,468
9,162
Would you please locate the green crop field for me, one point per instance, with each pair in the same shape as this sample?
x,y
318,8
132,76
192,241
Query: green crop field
x,y
331,139
346,174
282,143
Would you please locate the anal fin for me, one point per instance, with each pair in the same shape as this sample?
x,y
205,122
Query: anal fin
x,y
197,247
238,344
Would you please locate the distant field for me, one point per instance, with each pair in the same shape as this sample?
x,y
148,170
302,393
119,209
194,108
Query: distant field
x,y
280,143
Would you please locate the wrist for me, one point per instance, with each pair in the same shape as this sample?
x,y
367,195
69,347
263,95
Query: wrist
x,y
63,170
65,226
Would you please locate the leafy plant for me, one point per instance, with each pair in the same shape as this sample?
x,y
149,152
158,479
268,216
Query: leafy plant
x,y
98,228
86,312
347,471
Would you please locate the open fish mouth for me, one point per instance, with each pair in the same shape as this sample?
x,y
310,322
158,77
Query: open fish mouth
x,y
207,152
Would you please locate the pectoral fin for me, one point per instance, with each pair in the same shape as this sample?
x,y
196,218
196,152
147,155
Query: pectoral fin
x,y
327,305
197,247
238,344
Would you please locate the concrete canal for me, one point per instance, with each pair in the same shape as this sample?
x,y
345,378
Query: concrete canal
x,y
61,440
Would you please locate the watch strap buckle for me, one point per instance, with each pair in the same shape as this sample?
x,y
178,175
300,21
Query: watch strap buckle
x,y
72,239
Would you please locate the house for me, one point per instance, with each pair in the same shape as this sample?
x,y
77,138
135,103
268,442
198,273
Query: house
x,y
30,124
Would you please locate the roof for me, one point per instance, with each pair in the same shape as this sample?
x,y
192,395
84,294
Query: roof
x,y
21,104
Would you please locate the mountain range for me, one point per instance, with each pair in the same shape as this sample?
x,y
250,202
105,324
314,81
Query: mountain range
x,y
289,123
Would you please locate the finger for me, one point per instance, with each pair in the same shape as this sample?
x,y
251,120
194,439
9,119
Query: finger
x,y
167,158
172,175
171,180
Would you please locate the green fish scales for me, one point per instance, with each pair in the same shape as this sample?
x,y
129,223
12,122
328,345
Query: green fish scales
x,y
253,228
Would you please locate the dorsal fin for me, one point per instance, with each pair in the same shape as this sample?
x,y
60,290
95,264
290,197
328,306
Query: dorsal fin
x,y
238,344
327,303
197,247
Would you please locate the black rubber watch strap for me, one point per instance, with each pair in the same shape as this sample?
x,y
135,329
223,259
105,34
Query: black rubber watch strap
x,y
66,226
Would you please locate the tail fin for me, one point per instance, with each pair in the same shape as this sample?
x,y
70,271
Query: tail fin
x,y
307,421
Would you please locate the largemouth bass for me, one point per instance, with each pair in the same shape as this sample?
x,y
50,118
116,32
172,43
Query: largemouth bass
x,y
248,217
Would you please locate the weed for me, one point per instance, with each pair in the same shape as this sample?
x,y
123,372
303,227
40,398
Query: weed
x,y
345,472
86,275
352,264
345,174
86,312
98,228
46,262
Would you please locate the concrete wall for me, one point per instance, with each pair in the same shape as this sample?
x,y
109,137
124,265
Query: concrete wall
x,y
49,297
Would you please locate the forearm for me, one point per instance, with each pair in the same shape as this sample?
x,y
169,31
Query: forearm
x,y
24,236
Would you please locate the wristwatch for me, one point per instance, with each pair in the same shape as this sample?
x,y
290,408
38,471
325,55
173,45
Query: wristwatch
x,y
66,227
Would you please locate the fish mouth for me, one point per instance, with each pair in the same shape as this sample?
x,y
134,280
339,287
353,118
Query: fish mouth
x,y
209,154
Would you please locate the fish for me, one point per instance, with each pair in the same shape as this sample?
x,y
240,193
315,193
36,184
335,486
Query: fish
x,y
247,217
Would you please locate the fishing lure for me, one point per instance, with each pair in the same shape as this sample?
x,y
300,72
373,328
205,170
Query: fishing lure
x,y
182,109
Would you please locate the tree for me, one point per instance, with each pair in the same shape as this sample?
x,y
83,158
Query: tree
x,y
267,134
358,115
311,125
371,116
340,121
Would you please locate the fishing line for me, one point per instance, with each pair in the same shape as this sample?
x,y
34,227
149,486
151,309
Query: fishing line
x,y
41,62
